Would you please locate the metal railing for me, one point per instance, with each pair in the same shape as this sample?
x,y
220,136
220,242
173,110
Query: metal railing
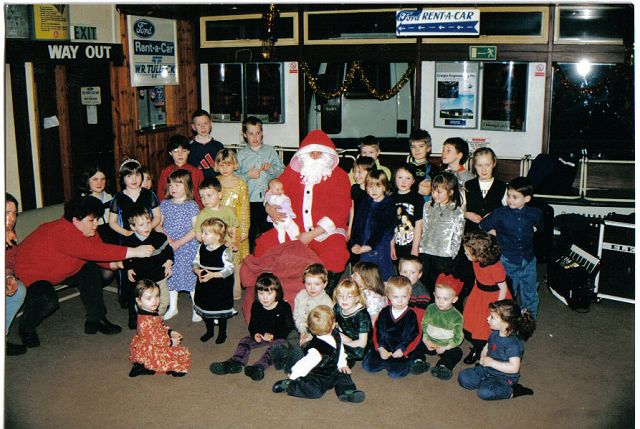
x,y
525,165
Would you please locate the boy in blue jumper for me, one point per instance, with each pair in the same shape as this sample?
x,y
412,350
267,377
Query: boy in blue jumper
x,y
514,226
395,333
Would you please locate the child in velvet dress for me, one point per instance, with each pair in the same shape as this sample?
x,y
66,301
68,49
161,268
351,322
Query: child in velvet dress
x,y
483,251
155,348
373,224
214,288
353,320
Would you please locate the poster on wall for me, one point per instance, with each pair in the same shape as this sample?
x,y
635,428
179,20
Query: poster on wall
x,y
153,51
51,21
456,95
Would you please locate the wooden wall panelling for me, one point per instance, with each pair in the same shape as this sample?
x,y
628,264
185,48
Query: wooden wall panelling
x,y
182,99
64,131
149,147
123,104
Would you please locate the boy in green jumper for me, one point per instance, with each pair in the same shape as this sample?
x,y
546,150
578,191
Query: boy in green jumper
x,y
442,327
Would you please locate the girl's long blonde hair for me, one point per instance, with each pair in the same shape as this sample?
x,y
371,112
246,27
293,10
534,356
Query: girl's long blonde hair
x,y
370,276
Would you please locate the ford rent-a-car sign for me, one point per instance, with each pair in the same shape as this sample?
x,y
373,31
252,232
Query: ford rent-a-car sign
x,y
153,51
144,28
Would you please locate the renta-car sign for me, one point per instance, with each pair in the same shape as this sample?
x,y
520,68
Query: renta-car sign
x,y
438,22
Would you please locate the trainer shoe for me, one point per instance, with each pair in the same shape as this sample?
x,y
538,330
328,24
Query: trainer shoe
x,y
280,386
441,372
419,366
354,396
254,372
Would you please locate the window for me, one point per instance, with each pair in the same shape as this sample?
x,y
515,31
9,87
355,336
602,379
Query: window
x,y
504,96
352,26
594,24
378,75
151,107
592,110
240,90
245,30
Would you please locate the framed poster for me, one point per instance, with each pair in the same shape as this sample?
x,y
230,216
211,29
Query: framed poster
x,y
152,51
51,21
456,95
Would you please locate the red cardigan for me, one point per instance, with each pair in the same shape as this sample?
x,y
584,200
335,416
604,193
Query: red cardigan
x,y
196,178
58,250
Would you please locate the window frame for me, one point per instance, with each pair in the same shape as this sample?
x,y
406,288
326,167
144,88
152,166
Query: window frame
x,y
557,39
244,43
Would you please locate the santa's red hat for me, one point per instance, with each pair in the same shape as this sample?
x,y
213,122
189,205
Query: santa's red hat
x,y
449,281
315,141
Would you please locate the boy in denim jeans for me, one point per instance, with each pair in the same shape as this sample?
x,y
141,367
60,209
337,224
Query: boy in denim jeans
x,y
514,226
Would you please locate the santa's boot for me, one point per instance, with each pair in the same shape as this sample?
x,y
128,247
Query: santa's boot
x,y
173,305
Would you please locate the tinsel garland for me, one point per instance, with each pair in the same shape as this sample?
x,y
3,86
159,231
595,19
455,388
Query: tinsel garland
x,y
355,67
588,89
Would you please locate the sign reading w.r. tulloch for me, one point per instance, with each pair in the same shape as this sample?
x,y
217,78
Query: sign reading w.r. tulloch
x,y
438,22
153,51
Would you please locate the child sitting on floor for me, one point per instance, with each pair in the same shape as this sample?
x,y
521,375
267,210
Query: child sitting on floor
x,y
395,333
155,348
271,322
442,327
324,365
498,374
353,320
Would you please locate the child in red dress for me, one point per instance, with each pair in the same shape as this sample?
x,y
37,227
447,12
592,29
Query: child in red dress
x,y
155,348
483,251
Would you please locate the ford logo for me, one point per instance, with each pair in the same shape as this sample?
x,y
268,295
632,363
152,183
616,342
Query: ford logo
x,y
143,28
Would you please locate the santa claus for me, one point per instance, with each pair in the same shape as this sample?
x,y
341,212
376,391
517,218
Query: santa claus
x,y
320,195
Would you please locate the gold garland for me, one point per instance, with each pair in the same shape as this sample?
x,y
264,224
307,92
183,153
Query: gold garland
x,y
355,66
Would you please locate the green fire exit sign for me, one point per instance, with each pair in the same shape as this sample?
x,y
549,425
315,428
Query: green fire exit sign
x,y
483,52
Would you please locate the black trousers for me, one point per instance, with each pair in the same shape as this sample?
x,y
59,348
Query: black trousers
x,y
259,223
449,358
42,299
432,266
312,387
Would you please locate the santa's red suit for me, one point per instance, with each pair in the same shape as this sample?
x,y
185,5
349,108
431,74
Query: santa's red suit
x,y
324,204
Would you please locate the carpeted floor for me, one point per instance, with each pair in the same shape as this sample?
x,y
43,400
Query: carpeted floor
x,y
581,367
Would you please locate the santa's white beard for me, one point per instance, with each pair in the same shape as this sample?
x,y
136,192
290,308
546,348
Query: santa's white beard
x,y
314,171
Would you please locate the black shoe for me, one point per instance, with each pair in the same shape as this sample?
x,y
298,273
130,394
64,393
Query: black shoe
x,y
206,337
472,357
354,396
30,339
139,369
103,326
280,386
419,366
279,356
254,372
295,354
15,349
221,339
441,372
219,368
520,390
226,367
176,373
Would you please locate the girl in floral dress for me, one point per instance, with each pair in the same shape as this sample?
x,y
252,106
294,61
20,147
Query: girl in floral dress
x,y
235,194
155,347
178,212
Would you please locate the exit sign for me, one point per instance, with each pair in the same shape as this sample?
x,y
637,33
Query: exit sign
x,y
84,33
483,52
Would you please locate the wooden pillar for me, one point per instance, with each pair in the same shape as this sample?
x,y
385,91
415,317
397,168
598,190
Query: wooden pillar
x,y
64,131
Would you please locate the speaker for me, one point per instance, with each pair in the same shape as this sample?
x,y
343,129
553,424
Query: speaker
x,y
616,249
